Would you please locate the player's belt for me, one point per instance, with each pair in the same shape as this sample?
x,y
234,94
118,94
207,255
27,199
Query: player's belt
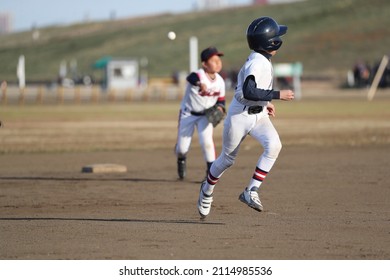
x,y
197,113
254,109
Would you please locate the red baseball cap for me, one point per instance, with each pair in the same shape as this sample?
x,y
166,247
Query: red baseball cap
x,y
209,52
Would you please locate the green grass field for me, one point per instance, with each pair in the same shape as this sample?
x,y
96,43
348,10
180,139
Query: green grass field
x,y
348,120
157,111
317,101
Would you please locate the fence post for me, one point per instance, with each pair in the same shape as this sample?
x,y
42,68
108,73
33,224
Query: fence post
x,y
77,94
40,95
21,96
129,95
94,94
60,94
111,95
4,92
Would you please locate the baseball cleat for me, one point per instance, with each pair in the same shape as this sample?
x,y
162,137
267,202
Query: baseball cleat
x,y
251,198
181,168
204,202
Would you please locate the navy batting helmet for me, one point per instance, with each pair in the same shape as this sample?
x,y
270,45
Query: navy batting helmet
x,y
264,33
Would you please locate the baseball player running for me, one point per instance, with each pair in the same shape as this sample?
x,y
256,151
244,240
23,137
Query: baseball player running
x,y
249,113
205,89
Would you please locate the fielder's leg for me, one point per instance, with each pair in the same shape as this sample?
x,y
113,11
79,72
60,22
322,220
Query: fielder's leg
x,y
206,141
184,136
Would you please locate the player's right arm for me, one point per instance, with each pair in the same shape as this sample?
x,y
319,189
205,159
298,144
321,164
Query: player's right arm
x,y
193,79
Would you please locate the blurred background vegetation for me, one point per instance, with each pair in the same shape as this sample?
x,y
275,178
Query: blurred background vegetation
x,y
328,37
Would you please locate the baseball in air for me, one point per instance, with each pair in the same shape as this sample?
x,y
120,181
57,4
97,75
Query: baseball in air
x,y
171,35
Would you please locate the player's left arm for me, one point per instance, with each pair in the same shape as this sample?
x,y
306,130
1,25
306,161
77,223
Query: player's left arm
x,y
251,92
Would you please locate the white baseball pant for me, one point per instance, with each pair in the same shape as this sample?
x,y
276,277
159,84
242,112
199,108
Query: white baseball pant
x,y
187,124
238,125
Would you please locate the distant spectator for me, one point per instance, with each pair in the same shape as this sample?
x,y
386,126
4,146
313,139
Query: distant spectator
x,y
175,77
361,74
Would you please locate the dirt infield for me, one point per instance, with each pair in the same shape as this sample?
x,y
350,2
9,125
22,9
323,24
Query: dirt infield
x,y
319,204
326,198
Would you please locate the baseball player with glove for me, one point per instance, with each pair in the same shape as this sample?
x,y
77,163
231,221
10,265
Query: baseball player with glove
x,y
203,107
249,113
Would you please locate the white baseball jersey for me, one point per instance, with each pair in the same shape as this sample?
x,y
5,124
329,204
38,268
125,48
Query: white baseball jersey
x,y
260,67
195,101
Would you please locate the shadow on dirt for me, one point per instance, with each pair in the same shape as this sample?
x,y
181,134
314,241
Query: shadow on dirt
x,y
97,179
85,179
200,222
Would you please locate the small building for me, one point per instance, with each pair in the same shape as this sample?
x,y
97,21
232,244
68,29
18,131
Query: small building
x,y
120,73
288,75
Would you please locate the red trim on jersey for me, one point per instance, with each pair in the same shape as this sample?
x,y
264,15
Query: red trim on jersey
x,y
206,93
209,78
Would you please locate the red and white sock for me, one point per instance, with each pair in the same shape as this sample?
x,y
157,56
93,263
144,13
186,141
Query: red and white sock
x,y
211,181
257,179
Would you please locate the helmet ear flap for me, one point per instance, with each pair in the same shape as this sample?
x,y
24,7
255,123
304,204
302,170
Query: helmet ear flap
x,y
275,43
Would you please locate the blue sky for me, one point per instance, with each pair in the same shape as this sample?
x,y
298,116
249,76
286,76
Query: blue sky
x,y
39,13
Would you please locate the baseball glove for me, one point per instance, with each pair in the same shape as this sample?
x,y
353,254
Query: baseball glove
x,y
214,115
